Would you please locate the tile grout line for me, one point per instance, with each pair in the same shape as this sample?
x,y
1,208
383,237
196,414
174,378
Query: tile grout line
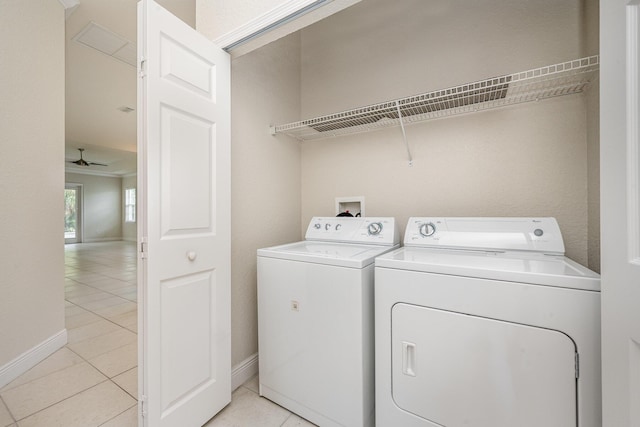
x,y
261,397
8,411
102,317
111,379
98,369
111,419
4,390
108,320
107,378
102,335
102,290
60,401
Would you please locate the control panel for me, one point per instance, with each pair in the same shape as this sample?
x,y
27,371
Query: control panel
x,y
370,230
500,234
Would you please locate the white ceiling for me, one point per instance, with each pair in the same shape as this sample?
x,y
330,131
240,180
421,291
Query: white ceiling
x,y
119,162
97,85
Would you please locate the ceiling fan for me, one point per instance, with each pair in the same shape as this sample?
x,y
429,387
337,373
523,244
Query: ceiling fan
x,y
83,162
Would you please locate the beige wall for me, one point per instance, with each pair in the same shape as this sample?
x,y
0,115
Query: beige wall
x,y
265,174
101,205
526,160
183,9
31,174
379,50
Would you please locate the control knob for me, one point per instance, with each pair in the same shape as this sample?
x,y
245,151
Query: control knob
x,y
374,228
427,229
317,226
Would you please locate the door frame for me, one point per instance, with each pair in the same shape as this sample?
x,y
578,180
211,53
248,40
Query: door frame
x,y
620,210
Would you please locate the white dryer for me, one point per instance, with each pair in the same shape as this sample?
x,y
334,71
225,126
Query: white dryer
x,y
315,319
483,322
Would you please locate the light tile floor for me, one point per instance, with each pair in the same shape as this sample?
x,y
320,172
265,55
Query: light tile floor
x,y
92,381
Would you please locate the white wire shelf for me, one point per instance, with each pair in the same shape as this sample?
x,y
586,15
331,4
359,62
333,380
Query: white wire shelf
x,y
566,78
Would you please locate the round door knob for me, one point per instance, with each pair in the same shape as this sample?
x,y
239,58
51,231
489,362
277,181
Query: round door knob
x,y
427,229
192,255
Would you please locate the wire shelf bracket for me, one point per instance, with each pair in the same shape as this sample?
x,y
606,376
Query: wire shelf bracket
x,y
404,134
561,79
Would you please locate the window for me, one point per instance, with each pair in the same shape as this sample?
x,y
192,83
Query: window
x,y
130,205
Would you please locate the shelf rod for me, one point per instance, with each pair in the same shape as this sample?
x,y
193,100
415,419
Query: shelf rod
x,y
404,134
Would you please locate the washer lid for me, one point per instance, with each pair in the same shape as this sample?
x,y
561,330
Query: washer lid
x,y
513,266
338,254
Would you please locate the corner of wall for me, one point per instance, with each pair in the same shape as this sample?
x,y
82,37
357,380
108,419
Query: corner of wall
x,y
265,174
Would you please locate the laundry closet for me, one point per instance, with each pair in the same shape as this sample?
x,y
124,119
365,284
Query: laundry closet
x,y
538,158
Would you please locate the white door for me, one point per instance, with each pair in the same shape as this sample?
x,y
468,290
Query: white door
x,y
184,233
620,210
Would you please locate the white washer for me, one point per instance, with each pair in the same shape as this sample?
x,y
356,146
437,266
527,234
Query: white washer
x,y
484,322
315,319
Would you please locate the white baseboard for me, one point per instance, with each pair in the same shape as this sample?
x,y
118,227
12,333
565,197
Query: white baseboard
x,y
32,357
243,371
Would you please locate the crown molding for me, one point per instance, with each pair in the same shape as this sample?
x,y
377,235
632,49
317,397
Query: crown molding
x,y
92,172
288,17
68,4
69,7
266,20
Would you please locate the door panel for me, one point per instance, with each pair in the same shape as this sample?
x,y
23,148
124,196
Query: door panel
x,y
188,145
181,344
184,182
187,69
455,369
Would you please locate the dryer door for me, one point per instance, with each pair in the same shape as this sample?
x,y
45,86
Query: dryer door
x,y
457,370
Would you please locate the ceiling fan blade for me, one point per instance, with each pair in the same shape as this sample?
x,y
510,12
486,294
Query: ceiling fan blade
x,y
82,162
79,162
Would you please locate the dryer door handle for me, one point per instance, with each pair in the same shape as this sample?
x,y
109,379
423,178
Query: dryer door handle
x,y
409,358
